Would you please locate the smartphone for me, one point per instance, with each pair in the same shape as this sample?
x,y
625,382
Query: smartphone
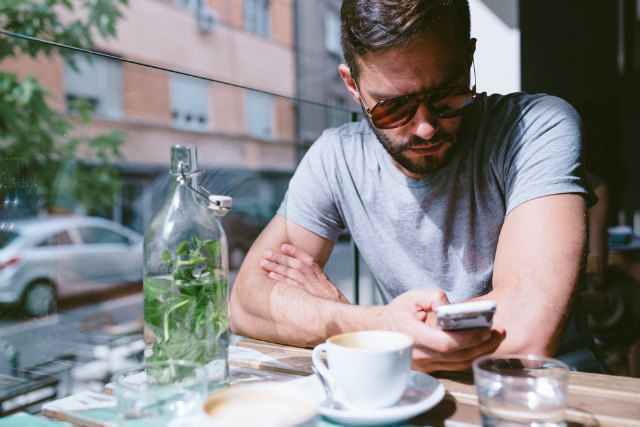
x,y
466,315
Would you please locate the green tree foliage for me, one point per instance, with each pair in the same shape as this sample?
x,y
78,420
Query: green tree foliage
x,y
39,150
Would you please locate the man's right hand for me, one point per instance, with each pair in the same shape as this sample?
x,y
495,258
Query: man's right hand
x,y
434,349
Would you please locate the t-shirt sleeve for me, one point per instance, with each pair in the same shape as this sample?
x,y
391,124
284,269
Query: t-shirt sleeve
x,y
543,154
310,201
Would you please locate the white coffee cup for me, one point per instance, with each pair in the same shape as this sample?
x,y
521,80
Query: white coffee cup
x,y
368,369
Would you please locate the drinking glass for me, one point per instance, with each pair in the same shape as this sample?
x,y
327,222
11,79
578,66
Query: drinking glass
x,y
521,390
155,393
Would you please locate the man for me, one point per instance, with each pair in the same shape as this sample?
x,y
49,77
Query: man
x,y
449,194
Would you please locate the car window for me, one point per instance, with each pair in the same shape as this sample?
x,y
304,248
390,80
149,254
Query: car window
x,y
7,237
99,235
58,239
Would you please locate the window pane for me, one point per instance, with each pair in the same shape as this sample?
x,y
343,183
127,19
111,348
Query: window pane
x,y
250,13
98,235
264,24
58,239
119,170
257,18
96,80
332,33
189,103
259,116
187,4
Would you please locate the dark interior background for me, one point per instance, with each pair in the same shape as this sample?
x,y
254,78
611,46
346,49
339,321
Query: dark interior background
x,y
587,53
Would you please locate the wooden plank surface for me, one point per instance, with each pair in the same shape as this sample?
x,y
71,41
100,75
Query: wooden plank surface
x,y
606,385
594,399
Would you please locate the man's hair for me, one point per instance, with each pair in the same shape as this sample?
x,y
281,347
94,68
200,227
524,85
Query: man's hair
x,y
377,25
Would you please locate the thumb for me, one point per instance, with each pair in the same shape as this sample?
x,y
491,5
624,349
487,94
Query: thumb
x,y
440,298
427,300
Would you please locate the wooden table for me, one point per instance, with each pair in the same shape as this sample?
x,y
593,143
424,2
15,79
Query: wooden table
x,y
594,400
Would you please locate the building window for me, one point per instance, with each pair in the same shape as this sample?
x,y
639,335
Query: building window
x,y
259,115
257,18
189,103
187,4
332,33
97,81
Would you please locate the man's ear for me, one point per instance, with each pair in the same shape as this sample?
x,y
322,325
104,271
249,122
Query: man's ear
x,y
349,82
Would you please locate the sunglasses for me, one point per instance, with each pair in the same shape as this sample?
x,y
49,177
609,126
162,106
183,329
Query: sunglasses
x,y
443,104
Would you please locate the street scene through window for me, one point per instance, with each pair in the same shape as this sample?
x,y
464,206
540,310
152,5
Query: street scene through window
x,y
147,145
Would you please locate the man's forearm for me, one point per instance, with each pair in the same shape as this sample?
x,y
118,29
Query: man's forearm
x,y
524,329
521,336
536,269
273,311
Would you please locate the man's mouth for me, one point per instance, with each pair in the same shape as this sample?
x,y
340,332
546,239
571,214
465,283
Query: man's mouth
x,y
426,148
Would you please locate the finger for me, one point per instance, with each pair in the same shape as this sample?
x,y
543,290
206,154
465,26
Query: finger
x,y
280,278
283,270
282,259
424,354
277,277
429,367
447,342
431,319
471,353
297,253
423,299
342,298
440,299
309,267
319,273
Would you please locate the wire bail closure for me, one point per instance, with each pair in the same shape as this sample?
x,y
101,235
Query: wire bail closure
x,y
221,205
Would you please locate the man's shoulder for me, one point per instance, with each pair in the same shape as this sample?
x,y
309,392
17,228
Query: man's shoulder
x,y
340,140
520,106
521,122
347,131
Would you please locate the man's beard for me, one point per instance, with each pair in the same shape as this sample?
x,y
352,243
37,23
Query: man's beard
x,y
429,164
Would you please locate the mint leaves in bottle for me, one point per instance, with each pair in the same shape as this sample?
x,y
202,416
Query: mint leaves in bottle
x,y
186,273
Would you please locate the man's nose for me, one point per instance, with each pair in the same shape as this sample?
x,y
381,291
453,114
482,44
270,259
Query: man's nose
x,y
424,123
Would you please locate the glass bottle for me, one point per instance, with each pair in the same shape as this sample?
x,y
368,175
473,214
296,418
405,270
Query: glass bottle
x,y
186,273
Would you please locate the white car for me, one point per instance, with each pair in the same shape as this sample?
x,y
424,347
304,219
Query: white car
x,y
44,259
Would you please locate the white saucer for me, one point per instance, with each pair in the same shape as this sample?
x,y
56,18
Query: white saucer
x,y
423,393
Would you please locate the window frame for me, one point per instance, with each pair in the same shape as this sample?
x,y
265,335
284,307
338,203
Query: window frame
x,y
253,98
332,42
196,91
107,97
257,17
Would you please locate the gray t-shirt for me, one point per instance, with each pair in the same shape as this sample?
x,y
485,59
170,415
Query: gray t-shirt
x,y
441,231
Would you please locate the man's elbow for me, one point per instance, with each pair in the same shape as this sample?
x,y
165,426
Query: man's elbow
x,y
237,314
538,350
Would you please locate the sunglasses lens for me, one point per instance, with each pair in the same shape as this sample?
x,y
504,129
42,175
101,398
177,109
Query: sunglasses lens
x,y
452,106
394,113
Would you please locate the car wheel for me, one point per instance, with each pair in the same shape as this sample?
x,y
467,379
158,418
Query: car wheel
x,y
236,257
40,299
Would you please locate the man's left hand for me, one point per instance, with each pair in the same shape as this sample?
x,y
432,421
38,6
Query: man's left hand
x,y
295,267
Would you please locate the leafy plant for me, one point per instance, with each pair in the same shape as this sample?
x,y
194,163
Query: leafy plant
x,y
187,311
39,151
